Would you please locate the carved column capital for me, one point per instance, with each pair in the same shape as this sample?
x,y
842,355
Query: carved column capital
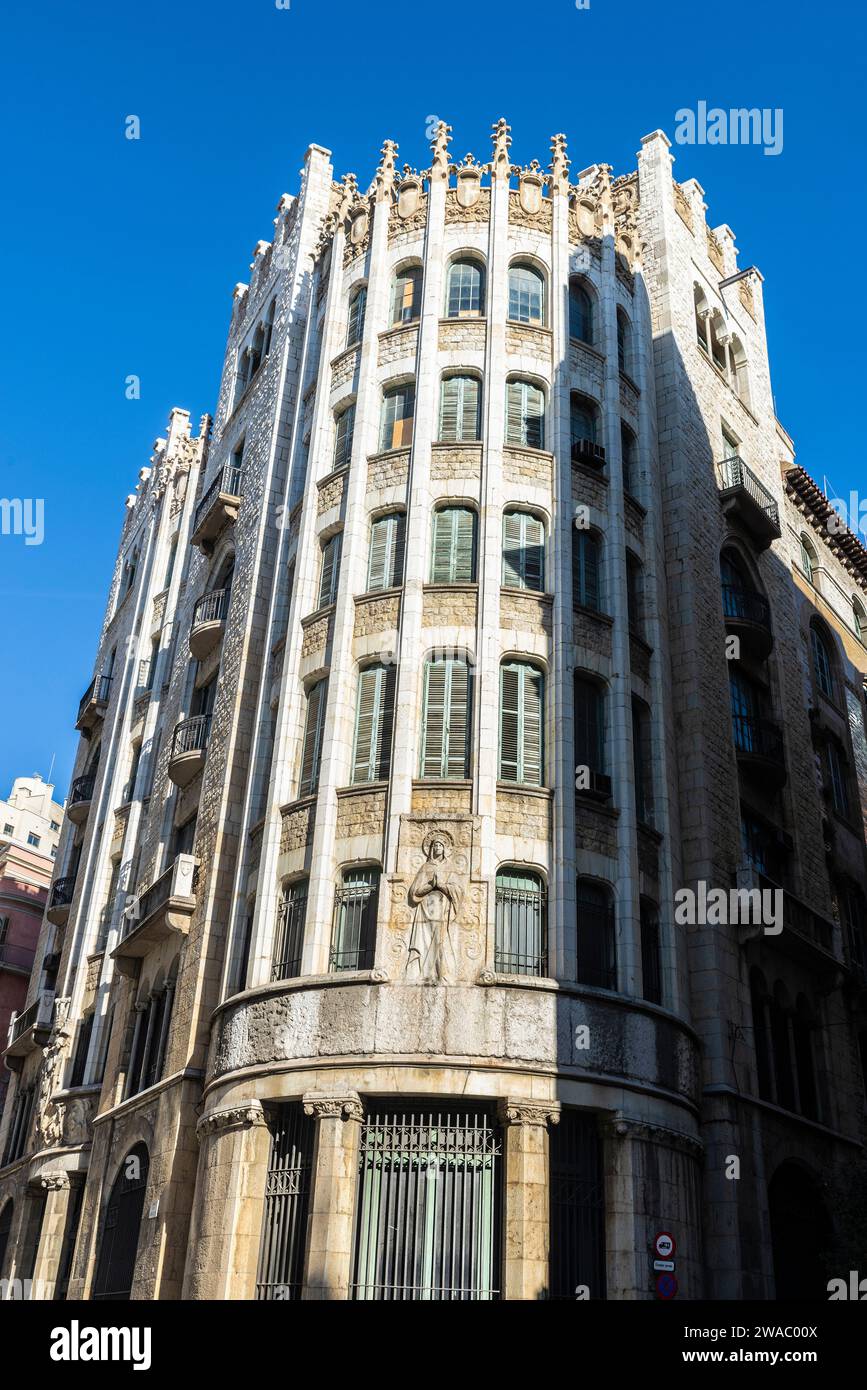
x,y
51,1182
622,1126
242,1116
528,1112
345,1106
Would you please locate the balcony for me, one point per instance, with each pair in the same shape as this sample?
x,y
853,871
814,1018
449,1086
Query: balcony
x,y
189,745
31,1028
218,508
80,797
162,910
760,750
209,623
93,704
591,455
59,901
807,936
17,960
748,501
748,617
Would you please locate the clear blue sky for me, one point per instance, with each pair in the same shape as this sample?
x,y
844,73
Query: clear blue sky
x,y
120,256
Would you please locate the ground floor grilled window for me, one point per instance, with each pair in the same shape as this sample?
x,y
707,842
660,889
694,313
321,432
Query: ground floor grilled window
x,y
290,931
354,932
121,1227
577,1207
521,946
428,1209
287,1197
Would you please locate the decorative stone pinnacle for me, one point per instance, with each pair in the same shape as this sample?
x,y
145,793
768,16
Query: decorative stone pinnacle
x,y
440,149
385,173
502,140
559,166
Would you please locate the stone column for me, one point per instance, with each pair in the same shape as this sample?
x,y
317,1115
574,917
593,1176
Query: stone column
x,y
56,1187
527,1219
226,1225
332,1200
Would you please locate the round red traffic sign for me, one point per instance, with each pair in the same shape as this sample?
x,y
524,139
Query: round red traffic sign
x,y
664,1245
666,1286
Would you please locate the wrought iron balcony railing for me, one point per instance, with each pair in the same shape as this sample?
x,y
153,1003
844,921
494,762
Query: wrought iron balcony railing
x,y
82,789
211,607
734,473
227,481
61,892
191,735
37,1015
760,737
585,451
97,693
745,605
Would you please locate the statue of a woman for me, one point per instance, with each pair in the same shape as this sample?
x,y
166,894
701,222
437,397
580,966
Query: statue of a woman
x,y
435,895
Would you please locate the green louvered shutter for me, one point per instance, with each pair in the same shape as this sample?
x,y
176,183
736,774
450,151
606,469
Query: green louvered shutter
x,y
458,730
469,419
450,408
454,546
446,720
534,417
521,714
513,567
373,724
343,438
515,413
312,752
434,719
385,564
330,570
459,409
356,318
523,551
585,571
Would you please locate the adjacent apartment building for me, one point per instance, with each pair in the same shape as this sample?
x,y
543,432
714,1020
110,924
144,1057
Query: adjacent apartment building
x,y
462,689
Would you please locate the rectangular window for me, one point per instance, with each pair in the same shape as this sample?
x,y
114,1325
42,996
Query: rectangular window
x,y
651,973
374,719
330,572
290,931
577,1210
454,546
460,417
287,1201
525,415
586,571
589,726
642,764
312,751
33,840
839,780
446,720
356,318
523,551
344,432
596,946
429,1204
521,723
520,945
406,297
398,409
354,934
385,564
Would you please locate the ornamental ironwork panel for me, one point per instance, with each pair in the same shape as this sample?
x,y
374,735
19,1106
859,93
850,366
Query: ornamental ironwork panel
x,y
428,1210
287,1198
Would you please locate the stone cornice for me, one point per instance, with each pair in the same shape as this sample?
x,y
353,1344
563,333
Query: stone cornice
x,y
621,1126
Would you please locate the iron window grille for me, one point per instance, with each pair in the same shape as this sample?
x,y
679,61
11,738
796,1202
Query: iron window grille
x,y
521,940
577,1207
354,931
290,931
287,1198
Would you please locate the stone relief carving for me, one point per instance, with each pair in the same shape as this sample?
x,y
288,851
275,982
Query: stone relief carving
x,y
437,901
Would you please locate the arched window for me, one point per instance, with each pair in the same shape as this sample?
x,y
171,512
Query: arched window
x,y
465,296
808,558
597,964
781,1043
289,938
398,409
345,427
445,744
453,554
803,1028
374,721
329,573
738,375
523,550
651,967
357,311
520,937
635,593
823,661
761,1039
525,415
406,295
717,347
153,1016
353,938
587,569
121,1226
385,562
583,429
580,312
859,619
624,342
522,719
629,455
701,319
314,726
590,731
838,778
5,1228
526,294
460,409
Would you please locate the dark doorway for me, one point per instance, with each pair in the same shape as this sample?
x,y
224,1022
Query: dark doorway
x,y
577,1206
800,1234
120,1228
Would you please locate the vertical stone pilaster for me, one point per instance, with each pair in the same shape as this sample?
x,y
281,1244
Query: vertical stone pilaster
x,y
527,1205
56,1187
230,1190
332,1199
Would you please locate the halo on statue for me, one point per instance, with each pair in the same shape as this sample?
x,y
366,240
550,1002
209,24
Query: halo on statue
x,y
431,839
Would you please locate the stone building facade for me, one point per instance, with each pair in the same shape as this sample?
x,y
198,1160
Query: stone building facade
x,y
489,625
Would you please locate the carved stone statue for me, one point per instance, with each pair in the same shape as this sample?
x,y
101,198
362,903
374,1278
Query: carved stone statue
x,y
435,895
